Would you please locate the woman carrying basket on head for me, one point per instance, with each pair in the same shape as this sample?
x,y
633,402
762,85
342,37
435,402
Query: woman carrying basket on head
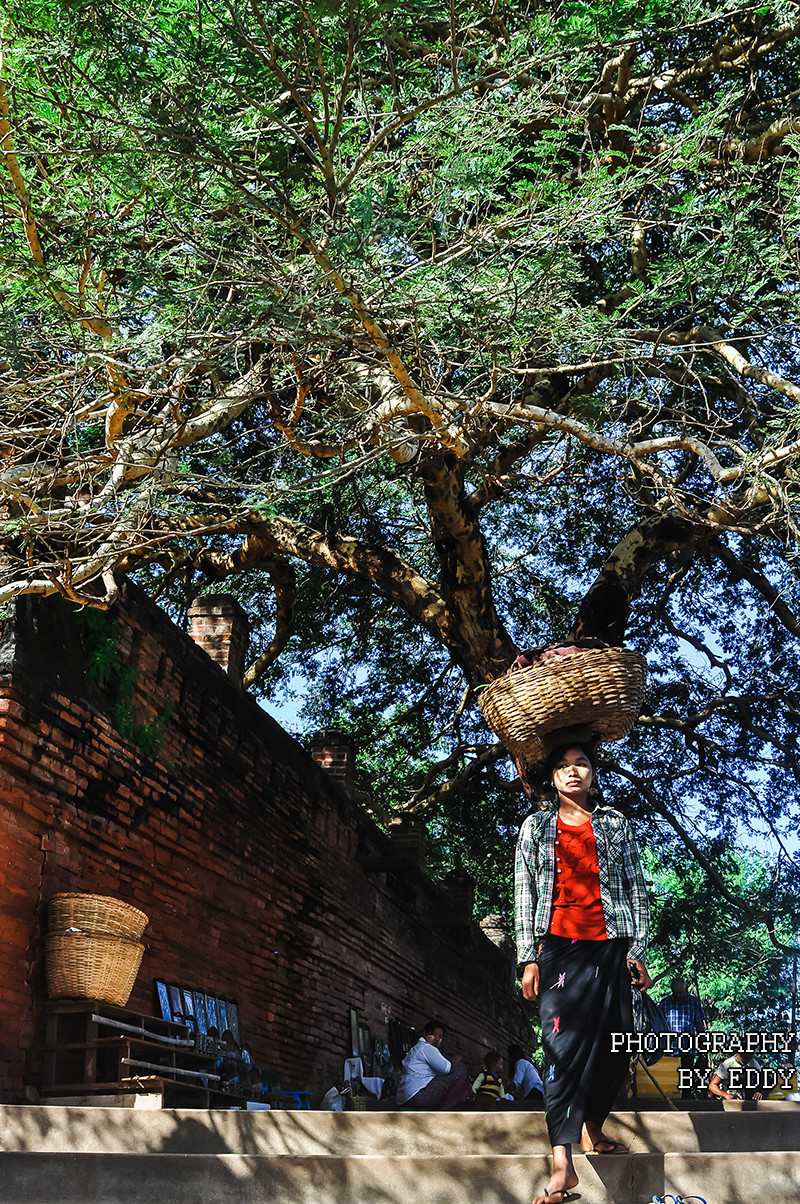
x,y
582,927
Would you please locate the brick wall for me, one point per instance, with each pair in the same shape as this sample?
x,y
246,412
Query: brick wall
x,y
262,879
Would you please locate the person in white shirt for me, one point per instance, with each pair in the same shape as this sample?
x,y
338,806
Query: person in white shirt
x,y
738,1077
525,1082
428,1079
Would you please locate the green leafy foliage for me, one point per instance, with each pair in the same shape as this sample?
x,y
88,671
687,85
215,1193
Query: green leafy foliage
x,y
730,963
433,308
100,634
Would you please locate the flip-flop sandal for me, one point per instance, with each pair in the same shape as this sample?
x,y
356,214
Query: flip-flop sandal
x,y
565,1195
616,1147
676,1199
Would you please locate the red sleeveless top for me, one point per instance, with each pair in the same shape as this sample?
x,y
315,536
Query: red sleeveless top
x,y
577,906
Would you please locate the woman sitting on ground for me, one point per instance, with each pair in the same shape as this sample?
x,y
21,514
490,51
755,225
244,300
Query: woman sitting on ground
x,y
524,1079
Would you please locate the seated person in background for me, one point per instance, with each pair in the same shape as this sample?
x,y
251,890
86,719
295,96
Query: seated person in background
x,y
488,1086
428,1080
525,1081
738,1077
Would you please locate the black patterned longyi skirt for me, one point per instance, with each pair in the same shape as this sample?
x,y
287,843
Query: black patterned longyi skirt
x,y
584,997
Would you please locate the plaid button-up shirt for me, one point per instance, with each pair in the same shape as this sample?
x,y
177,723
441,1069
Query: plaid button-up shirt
x,y
622,888
683,1015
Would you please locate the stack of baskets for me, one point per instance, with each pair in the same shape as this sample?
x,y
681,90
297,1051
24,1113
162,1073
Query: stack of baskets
x,y
93,948
600,687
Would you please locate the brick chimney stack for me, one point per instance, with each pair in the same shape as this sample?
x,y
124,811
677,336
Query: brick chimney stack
x,y
494,927
409,835
334,750
460,887
219,625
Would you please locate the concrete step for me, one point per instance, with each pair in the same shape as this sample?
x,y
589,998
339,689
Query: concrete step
x,y
387,1134
74,1155
33,1178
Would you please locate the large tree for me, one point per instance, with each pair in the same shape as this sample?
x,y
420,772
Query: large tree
x,y
433,330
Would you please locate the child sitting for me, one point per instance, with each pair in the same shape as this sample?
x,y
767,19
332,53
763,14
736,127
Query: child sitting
x,y
488,1086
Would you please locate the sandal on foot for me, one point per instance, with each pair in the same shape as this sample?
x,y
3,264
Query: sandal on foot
x,y
613,1147
565,1194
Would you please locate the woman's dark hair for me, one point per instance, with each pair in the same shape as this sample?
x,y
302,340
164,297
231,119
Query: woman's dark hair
x,y
431,1027
555,756
515,1052
543,784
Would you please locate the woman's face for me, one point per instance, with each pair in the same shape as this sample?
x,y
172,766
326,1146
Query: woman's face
x,y
573,774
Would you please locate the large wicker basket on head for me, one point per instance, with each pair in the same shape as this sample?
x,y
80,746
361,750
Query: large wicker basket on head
x,y
93,949
601,687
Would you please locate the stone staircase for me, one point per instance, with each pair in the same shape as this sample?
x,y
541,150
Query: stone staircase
x,y
83,1155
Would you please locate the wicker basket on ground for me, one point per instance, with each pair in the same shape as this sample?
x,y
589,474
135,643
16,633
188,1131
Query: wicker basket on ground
x,y
85,965
600,687
93,950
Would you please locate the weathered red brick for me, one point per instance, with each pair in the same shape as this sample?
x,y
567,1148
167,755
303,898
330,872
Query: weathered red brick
x,y
248,875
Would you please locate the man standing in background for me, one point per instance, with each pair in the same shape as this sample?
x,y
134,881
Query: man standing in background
x,y
684,1014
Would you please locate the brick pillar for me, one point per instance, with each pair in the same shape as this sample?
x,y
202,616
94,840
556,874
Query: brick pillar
x,y
408,834
334,751
219,625
460,887
494,927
